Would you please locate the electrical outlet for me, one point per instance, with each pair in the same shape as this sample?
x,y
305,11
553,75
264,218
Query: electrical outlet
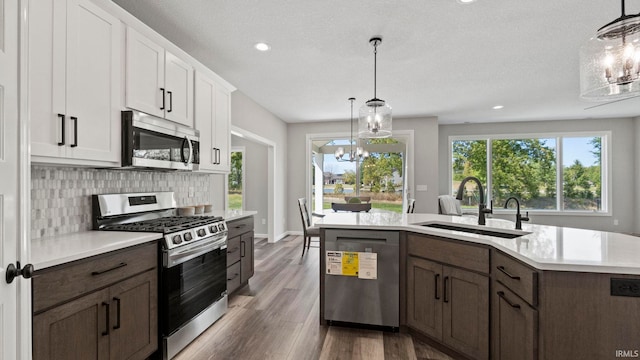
x,y
264,221
625,287
192,191
421,187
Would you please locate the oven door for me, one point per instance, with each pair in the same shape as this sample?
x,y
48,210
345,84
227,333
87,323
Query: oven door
x,y
150,142
191,286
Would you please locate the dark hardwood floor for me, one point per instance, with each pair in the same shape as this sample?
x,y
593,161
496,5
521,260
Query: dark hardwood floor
x,y
276,317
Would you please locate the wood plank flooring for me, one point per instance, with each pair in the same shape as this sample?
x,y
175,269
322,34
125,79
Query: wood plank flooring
x,y
276,316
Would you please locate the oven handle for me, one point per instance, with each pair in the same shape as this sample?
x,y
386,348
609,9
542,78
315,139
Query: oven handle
x,y
182,255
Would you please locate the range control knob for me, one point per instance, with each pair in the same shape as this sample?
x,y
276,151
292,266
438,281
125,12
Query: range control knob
x,y
177,239
221,226
188,236
214,229
202,232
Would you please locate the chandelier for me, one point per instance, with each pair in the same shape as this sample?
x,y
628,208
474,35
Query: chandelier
x,y
610,61
375,115
359,153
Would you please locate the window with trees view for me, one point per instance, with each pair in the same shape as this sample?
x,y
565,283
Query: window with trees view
x,y
556,173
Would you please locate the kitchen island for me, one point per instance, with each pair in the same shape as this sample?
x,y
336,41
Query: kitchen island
x,y
547,293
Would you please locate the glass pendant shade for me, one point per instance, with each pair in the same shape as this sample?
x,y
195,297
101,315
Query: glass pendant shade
x,y
610,61
375,119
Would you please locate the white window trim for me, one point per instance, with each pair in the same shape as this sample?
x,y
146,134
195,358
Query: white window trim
x,y
606,195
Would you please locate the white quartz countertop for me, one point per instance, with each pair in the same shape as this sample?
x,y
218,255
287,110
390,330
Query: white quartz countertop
x,y
56,250
230,215
545,247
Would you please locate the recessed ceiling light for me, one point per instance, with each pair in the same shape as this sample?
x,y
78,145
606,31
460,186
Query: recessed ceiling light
x,y
465,1
498,107
262,46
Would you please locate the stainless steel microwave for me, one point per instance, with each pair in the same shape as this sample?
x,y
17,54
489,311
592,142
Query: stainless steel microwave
x,y
154,143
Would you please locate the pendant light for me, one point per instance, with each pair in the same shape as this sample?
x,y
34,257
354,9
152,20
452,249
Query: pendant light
x,y
359,153
375,115
610,61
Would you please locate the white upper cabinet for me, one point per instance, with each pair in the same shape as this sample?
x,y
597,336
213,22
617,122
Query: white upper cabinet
x,y
158,82
74,67
212,112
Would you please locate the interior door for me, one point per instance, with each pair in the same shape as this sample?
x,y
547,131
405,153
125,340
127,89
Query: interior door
x,y
9,192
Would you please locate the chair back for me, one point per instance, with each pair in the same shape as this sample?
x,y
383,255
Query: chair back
x,y
448,205
304,214
410,205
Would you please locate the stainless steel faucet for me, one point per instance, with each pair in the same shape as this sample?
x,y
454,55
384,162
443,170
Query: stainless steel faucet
x,y
482,207
519,218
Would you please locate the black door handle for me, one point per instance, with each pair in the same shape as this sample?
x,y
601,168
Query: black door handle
x,y
446,281
515,306
162,89
436,278
13,271
106,332
170,101
117,325
243,249
75,131
95,273
504,271
61,143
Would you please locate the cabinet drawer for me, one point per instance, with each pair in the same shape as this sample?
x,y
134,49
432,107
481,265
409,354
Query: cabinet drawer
x,y
233,277
233,250
519,278
61,283
470,257
240,226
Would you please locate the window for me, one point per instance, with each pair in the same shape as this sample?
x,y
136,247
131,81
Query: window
x,y
236,181
547,173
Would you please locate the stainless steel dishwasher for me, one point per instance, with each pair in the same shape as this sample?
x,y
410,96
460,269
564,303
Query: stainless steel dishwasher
x,y
362,299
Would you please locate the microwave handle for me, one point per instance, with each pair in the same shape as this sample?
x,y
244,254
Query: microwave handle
x,y
190,158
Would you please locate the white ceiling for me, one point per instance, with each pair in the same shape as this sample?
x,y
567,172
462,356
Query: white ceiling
x,y
437,58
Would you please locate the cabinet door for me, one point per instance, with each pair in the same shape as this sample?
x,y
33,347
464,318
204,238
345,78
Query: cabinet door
x,y
223,128
465,318
76,330
205,120
47,77
134,321
424,296
93,82
179,90
144,75
246,256
514,326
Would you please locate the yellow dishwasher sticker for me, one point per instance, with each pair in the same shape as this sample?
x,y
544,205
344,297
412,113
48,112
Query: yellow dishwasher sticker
x,y
350,263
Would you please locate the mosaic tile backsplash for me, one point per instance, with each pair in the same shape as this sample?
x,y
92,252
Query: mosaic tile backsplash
x,y
61,197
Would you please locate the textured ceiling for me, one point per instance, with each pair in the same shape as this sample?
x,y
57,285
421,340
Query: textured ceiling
x,y
437,58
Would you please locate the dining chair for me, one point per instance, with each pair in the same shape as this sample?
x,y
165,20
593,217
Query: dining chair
x,y
410,205
309,230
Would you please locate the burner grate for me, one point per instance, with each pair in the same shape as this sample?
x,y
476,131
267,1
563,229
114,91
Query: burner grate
x,y
165,225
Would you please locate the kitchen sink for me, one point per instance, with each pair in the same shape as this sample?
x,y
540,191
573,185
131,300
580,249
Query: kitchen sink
x,y
502,234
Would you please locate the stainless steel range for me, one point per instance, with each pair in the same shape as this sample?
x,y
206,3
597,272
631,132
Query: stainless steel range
x,y
192,280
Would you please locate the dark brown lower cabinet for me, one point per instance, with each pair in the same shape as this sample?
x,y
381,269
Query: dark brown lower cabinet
x,y
119,321
240,253
450,305
246,256
514,330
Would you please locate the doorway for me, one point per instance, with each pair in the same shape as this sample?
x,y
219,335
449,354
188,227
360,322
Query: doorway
x,y
235,180
382,179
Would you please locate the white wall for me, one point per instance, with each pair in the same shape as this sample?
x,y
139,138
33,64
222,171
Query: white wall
x,y
250,116
623,166
636,152
425,163
255,184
